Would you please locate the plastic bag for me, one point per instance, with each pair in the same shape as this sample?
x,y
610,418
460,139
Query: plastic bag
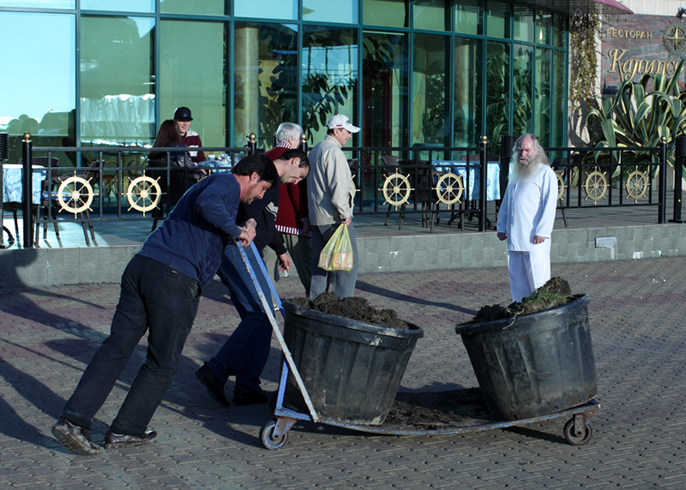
x,y
337,254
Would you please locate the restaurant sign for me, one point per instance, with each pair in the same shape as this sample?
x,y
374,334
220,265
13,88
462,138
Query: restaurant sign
x,y
637,45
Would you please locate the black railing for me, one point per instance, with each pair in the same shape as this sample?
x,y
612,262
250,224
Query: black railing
x,y
417,179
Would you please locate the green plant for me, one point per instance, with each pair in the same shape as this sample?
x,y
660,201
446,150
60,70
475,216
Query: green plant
x,y
637,117
583,29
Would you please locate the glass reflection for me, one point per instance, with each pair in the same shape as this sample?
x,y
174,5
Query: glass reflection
x,y
267,9
498,94
117,105
522,100
191,74
329,78
469,17
431,15
544,24
391,13
265,80
339,11
43,99
205,7
45,4
468,82
524,24
430,89
543,87
119,5
498,15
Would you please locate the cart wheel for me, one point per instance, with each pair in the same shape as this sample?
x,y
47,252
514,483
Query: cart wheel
x,y
266,433
577,439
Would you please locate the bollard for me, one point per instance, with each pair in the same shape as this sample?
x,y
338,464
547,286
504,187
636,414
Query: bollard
x,y
27,195
252,143
483,176
303,143
506,151
662,208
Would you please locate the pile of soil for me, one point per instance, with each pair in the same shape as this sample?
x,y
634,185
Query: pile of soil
x,y
556,292
353,308
439,410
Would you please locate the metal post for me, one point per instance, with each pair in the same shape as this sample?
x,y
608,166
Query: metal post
x,y
680,154
483,175
4,155
303,143
27,195
662,211
252,143
506,151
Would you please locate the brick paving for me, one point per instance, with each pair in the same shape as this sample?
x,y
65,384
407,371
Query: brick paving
x,y
637,313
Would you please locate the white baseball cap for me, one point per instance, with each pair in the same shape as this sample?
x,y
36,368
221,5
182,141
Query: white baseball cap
x,y
341,121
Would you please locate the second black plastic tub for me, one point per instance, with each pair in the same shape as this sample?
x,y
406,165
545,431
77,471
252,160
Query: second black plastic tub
x,y
533,364
352,370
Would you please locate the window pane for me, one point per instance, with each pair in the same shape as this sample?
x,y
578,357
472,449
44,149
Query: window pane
x,y
265,80
267,9
204,7
524,24
543,82
40,96
191,74
430,124
46,4
329,79
468,17
117,81
559,102
544,24
340,11
522,77
468,81
498,17
392,13
431,15
385,89
119,5
498,93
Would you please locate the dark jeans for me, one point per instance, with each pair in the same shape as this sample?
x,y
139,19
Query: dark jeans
x,y
246,351
156,298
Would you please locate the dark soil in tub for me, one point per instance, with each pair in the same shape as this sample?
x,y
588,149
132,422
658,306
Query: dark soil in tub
x,y
556,292
354,308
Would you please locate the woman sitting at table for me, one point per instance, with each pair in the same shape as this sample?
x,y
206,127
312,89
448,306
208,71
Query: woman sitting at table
x,y
182,173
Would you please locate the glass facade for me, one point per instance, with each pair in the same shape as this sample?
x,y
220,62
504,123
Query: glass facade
x,y
411,73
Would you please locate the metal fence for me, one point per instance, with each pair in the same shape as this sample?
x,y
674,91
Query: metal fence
x,y
117,183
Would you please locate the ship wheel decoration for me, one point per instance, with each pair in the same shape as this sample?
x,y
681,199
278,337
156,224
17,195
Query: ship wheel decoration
x,y
596,186
636,185
75,195
560,186
396,189
449,188
143,194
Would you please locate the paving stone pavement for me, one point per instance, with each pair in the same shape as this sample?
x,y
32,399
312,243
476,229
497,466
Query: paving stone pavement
x,y
637,313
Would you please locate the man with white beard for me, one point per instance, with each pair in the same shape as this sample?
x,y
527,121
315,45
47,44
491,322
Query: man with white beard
x,y
526,217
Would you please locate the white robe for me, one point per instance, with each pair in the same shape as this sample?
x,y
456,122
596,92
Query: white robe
x,y
528,209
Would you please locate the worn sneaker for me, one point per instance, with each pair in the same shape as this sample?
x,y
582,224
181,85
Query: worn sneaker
x,y
213,384
243,398
112,439
75,438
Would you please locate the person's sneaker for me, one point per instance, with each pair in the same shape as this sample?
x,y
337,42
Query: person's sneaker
x,y
75,438
213,384
243,398
112,439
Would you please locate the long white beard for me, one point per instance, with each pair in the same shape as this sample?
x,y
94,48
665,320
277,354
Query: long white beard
x,y
526,167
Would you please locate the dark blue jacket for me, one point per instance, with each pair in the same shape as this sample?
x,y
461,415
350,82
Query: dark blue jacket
x,y
192,239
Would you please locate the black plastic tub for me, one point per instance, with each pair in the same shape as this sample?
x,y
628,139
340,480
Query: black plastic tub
x,y
533,364
352,370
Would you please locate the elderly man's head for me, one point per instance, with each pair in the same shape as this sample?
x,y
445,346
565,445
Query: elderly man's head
x,y
528,156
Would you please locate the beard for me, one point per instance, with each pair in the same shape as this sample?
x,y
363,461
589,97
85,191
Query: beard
x,y
526,167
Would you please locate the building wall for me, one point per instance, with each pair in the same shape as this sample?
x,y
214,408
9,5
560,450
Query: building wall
x,y
655,7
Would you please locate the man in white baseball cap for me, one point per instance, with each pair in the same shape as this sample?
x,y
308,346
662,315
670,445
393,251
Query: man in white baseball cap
x,y
330,193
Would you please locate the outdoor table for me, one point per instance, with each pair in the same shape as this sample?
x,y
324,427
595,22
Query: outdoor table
x,y
12,188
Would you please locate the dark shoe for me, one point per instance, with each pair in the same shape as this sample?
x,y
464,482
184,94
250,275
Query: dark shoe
x,y
121,440
75,438
242,398
213,384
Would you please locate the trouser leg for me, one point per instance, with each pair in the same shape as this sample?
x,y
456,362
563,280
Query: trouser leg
x,y
171,301
128,326
319,282
342,282
300,249
246,351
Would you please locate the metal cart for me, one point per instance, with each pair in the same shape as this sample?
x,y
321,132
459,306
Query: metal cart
x,y
274,433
